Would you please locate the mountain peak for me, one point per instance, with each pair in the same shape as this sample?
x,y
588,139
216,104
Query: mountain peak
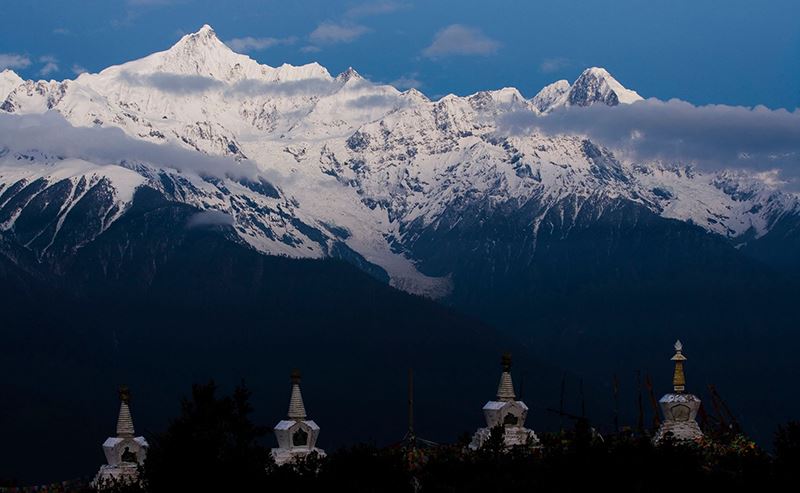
x,y
204,39
206,29
9,80
8,74
199,53
550,95
348,75
596,85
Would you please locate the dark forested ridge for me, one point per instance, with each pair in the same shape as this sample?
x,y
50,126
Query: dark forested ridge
x,y
157,304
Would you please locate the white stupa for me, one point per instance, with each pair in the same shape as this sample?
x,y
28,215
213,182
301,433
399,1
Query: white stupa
x,y
297,435
508,412
124,452
679,408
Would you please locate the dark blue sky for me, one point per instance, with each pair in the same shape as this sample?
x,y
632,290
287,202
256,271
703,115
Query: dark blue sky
x,y
703,51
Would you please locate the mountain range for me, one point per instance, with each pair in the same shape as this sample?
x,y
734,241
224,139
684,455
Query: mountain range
x,y
326,166
586,259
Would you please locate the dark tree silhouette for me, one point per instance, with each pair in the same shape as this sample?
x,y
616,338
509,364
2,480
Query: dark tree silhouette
x,y
211,446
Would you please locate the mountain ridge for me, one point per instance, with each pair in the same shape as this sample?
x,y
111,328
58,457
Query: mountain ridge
x,y
349,163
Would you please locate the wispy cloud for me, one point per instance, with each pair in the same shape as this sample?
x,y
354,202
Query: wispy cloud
x,y
457,39
191,84
172,83
330,32
346,28
13,60
550,65
711,137
408,81
152,3
62,31
250,43
51,133
375,8
50,65
209,218
78,69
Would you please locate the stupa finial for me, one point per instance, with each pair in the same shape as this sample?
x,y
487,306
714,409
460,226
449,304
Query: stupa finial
x,y
124,420
506,362
125,394
678,377
505,391
297,409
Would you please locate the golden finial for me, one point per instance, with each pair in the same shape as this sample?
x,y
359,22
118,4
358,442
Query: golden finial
x,y
506,362
125,394
678,378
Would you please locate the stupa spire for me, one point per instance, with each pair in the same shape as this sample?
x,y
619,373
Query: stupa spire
x,y
297,410
124,452
297,435
505,391
679,408
507,412
124,420
678,377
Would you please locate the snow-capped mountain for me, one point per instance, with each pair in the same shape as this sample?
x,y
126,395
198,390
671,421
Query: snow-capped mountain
x,y
313,165
595,85
9,81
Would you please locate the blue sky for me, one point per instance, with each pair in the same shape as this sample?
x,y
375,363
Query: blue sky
x,y
702,51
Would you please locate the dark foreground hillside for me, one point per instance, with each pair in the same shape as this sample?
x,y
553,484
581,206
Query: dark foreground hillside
x,y
157,306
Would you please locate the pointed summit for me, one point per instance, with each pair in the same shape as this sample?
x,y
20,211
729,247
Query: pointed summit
x,y
9,80
348,75
596,85
204,40
550,95
200,53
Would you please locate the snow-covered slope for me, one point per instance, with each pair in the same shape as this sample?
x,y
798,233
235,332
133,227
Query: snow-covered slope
x,y
345,167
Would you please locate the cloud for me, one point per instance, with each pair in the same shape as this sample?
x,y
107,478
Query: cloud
x,y
152,3
550,65
330,32
172,83
62,31
409,81
191,84
249,43
209,218
78,69
50,65
457,39
375,101
374,8
12,60
254,87
346,30
711,137
52,134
